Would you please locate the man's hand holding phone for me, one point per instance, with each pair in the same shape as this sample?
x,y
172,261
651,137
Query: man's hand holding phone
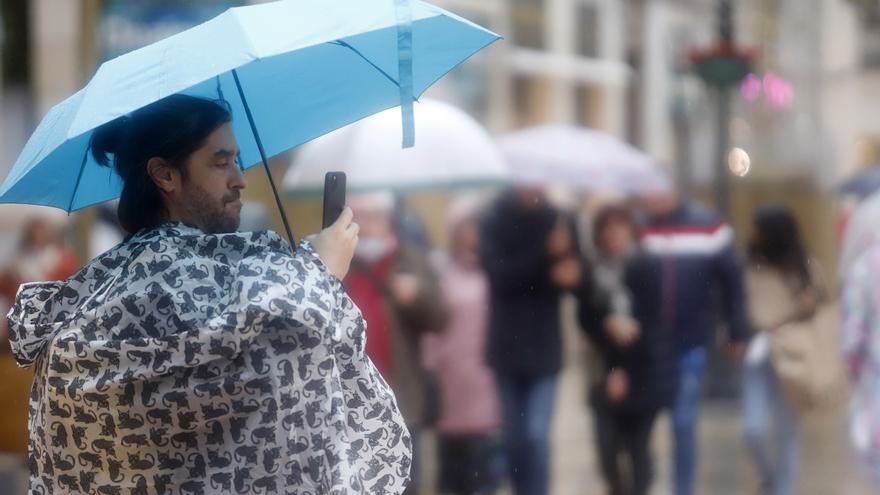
x,y
335,244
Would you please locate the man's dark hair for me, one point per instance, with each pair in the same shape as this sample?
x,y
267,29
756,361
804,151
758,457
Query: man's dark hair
x,y
172,129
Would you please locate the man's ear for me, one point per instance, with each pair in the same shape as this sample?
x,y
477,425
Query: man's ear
x,y
161,174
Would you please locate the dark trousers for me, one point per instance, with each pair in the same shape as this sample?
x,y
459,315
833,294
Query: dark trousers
x,y
623,440
467,464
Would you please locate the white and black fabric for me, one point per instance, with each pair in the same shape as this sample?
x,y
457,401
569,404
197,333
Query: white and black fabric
x,y
180,362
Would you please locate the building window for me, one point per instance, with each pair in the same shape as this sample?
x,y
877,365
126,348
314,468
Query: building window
x,y
14,42
528,23
531,101
587,29
870,17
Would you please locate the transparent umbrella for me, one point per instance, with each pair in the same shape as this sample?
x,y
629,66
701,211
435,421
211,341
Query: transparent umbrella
x,y
453,150
581,158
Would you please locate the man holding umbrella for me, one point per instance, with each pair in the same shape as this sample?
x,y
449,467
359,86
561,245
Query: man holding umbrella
x,y
192,358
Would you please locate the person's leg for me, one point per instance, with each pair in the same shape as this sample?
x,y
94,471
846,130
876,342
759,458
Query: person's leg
x,y
449,469
607,446
539,414
788,451
692,365
639,429
476,459
756,419
513,405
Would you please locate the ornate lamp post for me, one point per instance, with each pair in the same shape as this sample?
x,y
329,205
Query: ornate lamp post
x,y
723,66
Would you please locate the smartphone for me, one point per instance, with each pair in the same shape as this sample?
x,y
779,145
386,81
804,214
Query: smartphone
x,y
334,197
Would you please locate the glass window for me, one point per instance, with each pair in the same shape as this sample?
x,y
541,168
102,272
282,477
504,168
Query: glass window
x,y
587,30
528,23
871,36
14,41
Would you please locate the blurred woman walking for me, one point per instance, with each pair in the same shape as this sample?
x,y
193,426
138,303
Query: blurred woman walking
x,y
469,420
635,375
782,288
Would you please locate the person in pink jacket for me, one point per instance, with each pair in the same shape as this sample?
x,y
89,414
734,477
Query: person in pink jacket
x,y
469,410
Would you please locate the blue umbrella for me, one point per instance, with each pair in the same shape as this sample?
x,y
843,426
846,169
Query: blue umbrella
x,y
294,69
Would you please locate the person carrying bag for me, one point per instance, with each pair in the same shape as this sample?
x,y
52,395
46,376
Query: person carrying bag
x,y
792,363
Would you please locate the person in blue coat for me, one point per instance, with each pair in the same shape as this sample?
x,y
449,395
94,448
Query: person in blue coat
x,y
699,267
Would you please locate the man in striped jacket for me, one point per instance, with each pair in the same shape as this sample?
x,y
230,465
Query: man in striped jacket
x,y
699,263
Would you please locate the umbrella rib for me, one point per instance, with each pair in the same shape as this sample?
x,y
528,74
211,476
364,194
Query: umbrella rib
x,y
82,167
250,117
367,60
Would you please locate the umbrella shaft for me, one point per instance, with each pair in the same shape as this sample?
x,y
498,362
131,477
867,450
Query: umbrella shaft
x,y
250,117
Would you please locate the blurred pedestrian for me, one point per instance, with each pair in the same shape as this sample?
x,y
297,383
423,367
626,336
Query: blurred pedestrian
x,y
635,377
106,231
698,262
860,335
400,298
42,254
531,257
409,226
194,358
782,287
469,420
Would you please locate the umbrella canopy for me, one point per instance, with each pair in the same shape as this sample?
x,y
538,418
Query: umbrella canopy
x,y
581,158
453,150
863,184
296,69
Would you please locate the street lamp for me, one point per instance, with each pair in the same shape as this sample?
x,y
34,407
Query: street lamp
x,y
723,66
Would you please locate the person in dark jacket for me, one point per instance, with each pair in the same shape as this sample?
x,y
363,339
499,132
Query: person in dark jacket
x,y
698,264
635,378
530,256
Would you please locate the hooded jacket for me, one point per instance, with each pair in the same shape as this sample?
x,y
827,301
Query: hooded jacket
x,y
180,362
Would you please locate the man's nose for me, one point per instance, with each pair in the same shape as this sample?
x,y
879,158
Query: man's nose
x,y
238,180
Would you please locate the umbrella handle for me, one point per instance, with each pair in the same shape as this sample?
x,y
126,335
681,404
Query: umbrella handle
x,y
250,117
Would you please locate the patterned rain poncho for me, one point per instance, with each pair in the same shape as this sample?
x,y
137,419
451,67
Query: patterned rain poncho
x,y
860,338
180,362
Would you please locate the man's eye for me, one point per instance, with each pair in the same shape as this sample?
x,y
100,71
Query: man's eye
x,y
222,164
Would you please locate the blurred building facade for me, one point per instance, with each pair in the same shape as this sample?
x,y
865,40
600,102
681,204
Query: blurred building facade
x,y
616,65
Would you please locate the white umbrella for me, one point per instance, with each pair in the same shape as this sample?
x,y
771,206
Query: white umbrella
x,y
581,158
451,150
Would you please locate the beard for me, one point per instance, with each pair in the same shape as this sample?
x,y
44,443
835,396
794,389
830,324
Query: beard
x,y
211,215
